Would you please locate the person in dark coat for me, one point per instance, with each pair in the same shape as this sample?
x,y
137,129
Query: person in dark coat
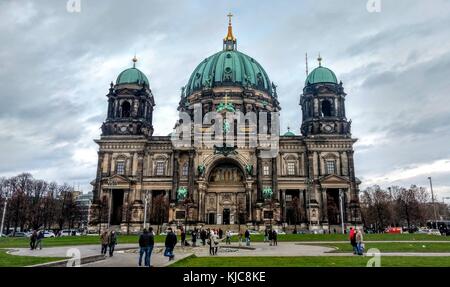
x,y
171,241
39,238
112,241
274,237
194,237
183,237
270,237
203,236
247,237
220,233
33,239
146,243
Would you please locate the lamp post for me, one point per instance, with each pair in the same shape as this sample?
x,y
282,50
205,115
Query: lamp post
x,y
432,200
341,207
145,208
309,182
4,213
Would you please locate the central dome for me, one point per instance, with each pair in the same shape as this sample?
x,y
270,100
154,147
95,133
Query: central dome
x,y
228,68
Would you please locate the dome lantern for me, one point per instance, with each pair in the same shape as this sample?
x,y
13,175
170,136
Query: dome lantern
x,y
132,76
229,42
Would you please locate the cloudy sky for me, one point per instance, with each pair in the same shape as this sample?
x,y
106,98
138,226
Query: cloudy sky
x,y
56,66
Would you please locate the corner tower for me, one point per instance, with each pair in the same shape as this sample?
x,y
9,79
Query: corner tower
x,y
323,104
130,105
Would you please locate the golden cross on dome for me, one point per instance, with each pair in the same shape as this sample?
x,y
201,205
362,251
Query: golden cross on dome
x,y
229,18
320,60
134,61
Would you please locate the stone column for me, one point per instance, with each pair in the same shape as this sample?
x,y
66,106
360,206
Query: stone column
x,y
283,205
175,176
191,174
324,205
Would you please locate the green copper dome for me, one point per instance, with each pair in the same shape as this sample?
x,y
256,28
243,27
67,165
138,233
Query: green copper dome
x,y
132,76
229,68
321,75
289,134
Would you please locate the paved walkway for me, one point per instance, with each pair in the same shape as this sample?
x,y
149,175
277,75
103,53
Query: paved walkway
x,y
126,255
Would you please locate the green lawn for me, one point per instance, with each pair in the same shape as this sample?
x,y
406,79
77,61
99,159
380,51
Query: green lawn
x,y
7,260
310,261
392,247
81,240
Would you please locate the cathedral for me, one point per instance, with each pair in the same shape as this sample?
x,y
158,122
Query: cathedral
x,y
195,177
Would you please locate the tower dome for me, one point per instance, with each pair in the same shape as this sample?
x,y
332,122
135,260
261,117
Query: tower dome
x,y
132,76
229,67
321,75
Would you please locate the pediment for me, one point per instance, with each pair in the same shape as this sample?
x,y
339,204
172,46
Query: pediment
x,y
334,179
116,181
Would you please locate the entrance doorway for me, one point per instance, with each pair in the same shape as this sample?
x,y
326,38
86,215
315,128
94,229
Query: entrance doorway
x,y
333,206
226,216
116,207
211,218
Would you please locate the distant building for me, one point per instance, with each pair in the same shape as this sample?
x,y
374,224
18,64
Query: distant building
x,y
84,202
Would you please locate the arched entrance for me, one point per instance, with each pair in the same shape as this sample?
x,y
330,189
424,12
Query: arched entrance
x,y
225,196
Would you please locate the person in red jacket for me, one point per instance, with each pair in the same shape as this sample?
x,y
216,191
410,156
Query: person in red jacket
x,y
352,238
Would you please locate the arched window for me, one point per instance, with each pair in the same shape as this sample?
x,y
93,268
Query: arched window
x,y
126,109
185,170
326,108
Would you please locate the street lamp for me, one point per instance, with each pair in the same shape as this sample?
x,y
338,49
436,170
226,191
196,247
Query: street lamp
x,y
4,212
432,200
309,183
341,205
145,208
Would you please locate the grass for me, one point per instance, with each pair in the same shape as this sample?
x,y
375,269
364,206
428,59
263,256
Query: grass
x,y
84,240
310,261
392,247
8,260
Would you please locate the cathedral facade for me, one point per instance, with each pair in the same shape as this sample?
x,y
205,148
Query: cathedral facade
x,y
307,180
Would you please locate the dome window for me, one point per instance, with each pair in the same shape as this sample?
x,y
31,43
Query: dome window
x,y
126,109
326,108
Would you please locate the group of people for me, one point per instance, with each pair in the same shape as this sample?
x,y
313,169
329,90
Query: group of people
x,y
36,239
108,240
356,240
271,235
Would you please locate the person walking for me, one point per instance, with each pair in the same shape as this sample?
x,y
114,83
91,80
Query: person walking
x,y
359,242
183,236
112,241
33,239
270,237
194,237
240,237
247,237
352,238
266,234
220,233
171,241
274,238
39,238
104,242
146,243
228,237
203,236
